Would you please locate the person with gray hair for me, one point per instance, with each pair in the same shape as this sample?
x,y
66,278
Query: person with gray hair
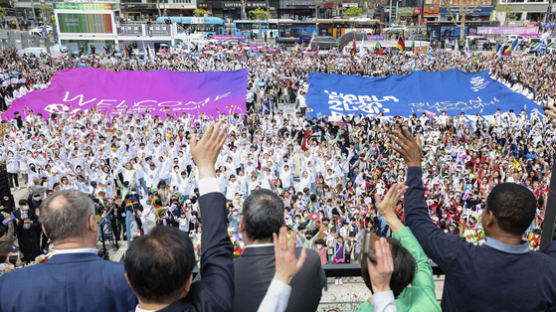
x,y
263,216
75,278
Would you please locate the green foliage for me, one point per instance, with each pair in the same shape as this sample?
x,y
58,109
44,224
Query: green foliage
x,y
507,9
259,14
353,12
201,12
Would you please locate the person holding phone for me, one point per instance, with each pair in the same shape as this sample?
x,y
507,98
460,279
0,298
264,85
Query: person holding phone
x,y
410,264
9,260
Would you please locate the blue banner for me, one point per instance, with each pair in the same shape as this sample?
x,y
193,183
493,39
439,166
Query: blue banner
x,y
452,91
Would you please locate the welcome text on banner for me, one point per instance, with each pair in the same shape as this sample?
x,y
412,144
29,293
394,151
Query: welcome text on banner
x,y
159,93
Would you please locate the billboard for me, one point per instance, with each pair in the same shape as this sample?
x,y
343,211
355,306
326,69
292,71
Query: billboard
x,y
529,30
85,23
86,6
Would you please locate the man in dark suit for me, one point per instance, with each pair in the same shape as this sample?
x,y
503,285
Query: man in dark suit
x,y
263,215
159,265
75,278
500,275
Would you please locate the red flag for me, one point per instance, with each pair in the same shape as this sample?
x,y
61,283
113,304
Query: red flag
x,y
354,46
306,135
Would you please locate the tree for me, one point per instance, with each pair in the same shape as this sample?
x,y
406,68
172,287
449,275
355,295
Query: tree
x,y
459,13
503,13
200,12
353,12
259,14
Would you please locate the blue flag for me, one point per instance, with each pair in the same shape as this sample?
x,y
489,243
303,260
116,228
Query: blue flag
x,y
452,91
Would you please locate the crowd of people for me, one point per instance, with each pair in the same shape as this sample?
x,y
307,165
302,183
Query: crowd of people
x,y
278,75
325,178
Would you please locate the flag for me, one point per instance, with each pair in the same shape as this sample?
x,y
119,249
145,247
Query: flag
x,y
361,49
354,48
496,49
540,47
514,44
378,49
507,51
499,50
466,49
516,164
401,45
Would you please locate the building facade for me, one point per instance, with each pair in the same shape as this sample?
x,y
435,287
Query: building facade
x,y
232,9
150,9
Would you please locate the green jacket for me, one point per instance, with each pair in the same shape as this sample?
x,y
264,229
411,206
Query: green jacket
x,y
420,296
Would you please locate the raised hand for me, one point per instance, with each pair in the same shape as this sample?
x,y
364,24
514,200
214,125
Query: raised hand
x,y
205,152
386,206
381,272
287,265
408,146
551,110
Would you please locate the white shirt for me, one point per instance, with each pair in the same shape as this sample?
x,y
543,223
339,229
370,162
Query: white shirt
x,y
75,250
384,302
138,309
276,297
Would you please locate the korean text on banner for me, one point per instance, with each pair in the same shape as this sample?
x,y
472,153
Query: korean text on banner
x,y
452,91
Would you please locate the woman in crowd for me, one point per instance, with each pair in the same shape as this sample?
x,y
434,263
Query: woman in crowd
x,y
411,264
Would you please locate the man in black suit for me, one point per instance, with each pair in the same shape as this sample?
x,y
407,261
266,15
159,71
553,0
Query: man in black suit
x,y
263,215
159,265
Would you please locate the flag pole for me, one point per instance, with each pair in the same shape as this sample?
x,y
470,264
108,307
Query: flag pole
x,y
550,212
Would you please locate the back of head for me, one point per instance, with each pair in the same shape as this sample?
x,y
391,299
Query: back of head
x,y
65,214
404,268
513,206
263,214
159,265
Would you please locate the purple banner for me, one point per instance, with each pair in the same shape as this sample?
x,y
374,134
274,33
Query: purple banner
x,y
228,37
375,37
159,92
523,31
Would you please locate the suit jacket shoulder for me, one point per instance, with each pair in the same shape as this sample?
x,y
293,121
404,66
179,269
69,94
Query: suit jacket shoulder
x,y
67,283
254,271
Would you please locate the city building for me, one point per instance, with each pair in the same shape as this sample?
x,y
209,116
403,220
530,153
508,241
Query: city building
x,y
518,12
231,9
448,10
151,9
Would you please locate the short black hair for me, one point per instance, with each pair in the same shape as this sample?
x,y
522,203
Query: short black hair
x,y
158,265
263,214
513,206
404,268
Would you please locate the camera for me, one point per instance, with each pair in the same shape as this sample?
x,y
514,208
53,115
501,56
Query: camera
x,y
13,259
